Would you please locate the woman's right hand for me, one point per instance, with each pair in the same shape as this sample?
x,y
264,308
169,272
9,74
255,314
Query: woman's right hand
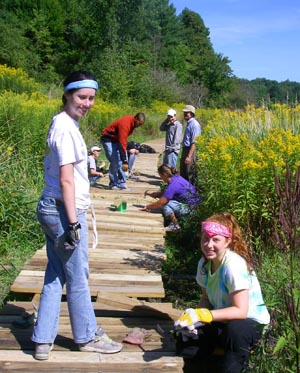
x,y
73,236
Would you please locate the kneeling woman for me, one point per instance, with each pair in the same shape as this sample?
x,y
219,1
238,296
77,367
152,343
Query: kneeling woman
x,y
232,313
178,198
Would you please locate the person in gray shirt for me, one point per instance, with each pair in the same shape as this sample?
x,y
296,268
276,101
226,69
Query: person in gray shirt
x,y
173,129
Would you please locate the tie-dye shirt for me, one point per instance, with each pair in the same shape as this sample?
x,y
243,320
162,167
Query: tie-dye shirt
x,y
232,275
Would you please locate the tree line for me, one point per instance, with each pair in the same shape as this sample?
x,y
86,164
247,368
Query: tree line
x,y
139,51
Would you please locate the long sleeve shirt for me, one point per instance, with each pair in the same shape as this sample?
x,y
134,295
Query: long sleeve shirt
x,y
173,135
118,131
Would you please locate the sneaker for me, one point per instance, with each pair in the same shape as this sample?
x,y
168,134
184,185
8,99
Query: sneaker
x,y
123,186
42,350
114,188
133,177
101,343
173,227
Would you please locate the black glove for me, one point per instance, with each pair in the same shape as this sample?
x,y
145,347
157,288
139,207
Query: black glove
x,y
73,236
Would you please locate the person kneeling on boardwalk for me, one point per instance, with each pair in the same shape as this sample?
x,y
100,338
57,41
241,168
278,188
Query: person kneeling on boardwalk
x,y
95,172
176,200
232,312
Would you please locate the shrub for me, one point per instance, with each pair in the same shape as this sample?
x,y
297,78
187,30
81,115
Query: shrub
x,y
236,160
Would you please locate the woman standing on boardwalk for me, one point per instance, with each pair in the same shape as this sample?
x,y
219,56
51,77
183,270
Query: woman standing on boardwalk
x,y
61,212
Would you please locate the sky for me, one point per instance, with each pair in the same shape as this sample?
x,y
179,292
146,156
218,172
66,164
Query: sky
x,y
261,38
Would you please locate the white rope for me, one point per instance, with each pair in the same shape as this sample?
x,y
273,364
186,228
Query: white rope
x,y
95,234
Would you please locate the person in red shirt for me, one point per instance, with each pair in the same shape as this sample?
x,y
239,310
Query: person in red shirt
x,y
114,140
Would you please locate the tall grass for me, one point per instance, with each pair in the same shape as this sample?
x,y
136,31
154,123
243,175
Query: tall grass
x,y
237,152
20,234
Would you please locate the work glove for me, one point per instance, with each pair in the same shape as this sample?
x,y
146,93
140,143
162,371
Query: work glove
x,y
125,166
73,236
193,316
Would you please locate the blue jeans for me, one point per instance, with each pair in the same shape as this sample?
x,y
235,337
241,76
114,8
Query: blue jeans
x,y
65,267
93,179
131,159
170,158
117,176
176,208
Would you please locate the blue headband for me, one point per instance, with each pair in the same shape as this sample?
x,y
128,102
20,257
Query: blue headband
x,y
82,84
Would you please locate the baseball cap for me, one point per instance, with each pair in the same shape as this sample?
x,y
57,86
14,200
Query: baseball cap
x,y
189,108
171,112
93,148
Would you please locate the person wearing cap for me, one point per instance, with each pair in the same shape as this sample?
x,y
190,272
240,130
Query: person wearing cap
x,y
173,129
232,313
188,155
62,214
114,140
95,172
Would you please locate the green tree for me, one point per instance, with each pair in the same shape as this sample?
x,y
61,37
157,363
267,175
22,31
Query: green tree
x,y
15,48
208,70
131,47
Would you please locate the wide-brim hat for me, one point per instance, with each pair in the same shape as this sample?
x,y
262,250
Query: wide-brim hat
x,y
189,109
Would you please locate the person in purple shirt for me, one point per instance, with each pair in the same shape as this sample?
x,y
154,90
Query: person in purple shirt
x,y
177,199
188,156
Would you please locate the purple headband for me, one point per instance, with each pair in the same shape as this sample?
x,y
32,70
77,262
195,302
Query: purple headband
x,y
213,229
87,83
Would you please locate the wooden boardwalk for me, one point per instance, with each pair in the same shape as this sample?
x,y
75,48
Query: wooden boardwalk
x,y
125,282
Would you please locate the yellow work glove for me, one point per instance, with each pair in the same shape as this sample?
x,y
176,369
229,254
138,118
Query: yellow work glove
x,y
125,167
192,316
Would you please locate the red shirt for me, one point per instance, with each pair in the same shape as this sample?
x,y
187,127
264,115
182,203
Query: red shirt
x,y
118,131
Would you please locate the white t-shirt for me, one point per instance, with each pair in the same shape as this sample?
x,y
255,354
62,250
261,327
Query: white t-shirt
x,y
66,145
232,275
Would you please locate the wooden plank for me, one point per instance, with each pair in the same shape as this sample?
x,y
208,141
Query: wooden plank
x,y
103,202
23,361
104,267
141,260
118,328
155,310
137,276
139,291
17,308
107,240
129,228
14,339
132,215
112,253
